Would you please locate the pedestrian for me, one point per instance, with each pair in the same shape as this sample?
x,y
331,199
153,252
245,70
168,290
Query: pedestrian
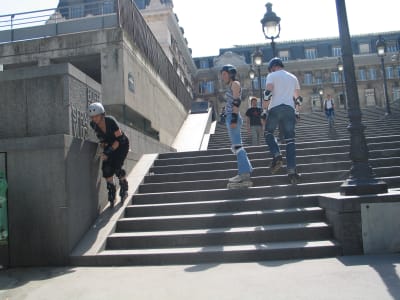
x,y
254,122
281,111
234,123
115,146
329,106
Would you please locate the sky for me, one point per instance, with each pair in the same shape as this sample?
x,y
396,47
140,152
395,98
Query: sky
x,y
213,24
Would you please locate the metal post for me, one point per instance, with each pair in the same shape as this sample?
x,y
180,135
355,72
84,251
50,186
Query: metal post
x,y
361,180
343,91
273,47
259,83
388,111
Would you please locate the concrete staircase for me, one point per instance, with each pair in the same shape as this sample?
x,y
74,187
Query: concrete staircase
x,y
183,213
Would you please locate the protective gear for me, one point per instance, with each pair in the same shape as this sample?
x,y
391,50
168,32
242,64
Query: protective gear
x,y
276,61
299,100
235,118
267,95
96,109
111,193
237,102
122,139
120,173
123,189
236,149
108,151
231,70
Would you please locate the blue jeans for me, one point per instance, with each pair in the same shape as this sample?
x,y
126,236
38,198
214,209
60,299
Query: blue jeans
x,y
244,165
286,117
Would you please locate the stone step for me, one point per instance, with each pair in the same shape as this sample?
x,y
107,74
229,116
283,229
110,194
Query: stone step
x,y
230,162
225,219
270,180
212,254
265,171
260,191
220,236
265,154
221,206
304,145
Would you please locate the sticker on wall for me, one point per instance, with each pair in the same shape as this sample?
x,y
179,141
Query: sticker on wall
x,y
131,83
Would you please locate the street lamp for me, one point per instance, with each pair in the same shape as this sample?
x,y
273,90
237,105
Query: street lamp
x,y
381,51
252,75
361,180
258,60
271,26
340,69
321,95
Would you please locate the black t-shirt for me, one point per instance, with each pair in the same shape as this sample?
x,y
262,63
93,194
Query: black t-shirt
x,y
254,113
107,137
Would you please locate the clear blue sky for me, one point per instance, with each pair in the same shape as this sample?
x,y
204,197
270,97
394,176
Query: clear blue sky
x,y
213,24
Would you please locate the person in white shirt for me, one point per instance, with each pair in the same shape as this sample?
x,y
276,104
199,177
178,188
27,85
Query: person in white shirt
x,y
329,105
284,87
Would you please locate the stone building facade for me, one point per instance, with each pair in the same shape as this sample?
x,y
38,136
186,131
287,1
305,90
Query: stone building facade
x,y
315,63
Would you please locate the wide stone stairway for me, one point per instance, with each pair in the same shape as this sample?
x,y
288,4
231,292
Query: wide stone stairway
x,y
183,213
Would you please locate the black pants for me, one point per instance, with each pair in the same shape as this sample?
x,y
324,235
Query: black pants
x,y
113,164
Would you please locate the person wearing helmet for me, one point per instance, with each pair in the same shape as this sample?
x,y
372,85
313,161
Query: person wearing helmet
x,y
284,87
115,149
234,122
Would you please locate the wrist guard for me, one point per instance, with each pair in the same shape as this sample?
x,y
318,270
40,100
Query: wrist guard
x,y
236,102
267,95
108,150
234,118
299,100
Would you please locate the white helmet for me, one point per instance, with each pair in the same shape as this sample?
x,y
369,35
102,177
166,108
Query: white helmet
x,y
96,109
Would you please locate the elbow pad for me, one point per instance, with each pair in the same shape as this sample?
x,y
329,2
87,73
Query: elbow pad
x,y
234,118
299,100
267,95
237,102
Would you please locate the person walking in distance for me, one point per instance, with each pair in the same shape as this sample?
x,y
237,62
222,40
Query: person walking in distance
x,y
254,122
115,149
329,106
234,122
284,86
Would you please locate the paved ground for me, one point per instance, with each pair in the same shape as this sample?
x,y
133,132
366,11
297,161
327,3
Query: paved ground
x,y
358,277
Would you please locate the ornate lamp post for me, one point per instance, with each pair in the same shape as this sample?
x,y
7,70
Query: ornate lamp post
x,y
340,69
361,180
271,26
258,60
381,51
252,75
321,97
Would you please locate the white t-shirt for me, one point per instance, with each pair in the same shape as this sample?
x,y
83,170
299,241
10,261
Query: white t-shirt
x,y
329,103
285,85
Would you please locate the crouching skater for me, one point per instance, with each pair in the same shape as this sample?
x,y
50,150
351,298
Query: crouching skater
x,y
115,146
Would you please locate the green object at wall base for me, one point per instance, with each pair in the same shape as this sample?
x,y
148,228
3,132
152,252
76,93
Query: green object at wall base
x,y
3,208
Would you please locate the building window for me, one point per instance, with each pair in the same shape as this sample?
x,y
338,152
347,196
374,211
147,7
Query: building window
x,y
336,51
398,71
372,74
391,47
396,94
77,12
284,55
389,72
362,76
318,80
364,48
370,97
335,77
108,7
311,53
206,87
308,78
204,64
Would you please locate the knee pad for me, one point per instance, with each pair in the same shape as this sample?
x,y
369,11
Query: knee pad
x,y
120,173
237,148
